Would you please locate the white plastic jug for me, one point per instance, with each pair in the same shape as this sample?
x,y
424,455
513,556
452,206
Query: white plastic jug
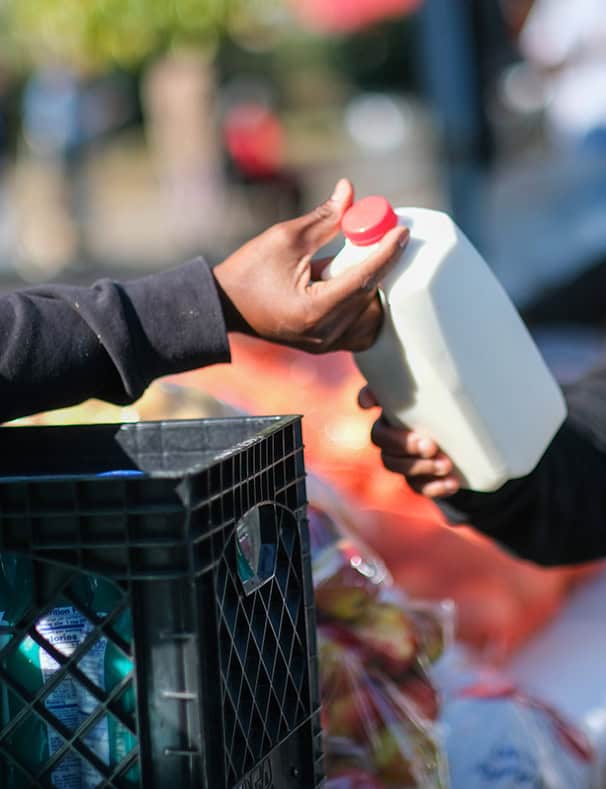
x,y
453,359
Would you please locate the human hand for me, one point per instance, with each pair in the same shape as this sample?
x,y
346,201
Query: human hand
x,y
419,459
271,288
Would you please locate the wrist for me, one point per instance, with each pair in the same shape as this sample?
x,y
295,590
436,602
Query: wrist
x,y
234,320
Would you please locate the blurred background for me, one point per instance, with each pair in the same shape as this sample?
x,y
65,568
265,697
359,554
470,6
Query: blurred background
x,y
135,134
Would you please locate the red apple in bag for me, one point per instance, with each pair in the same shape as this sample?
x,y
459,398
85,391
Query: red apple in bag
x,y
354,778
418,691
353,715
387,638
404,754
434,625
345,581
392,758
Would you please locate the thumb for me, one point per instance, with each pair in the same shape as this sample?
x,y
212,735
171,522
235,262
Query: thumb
x,y
323,223
366,398
366,276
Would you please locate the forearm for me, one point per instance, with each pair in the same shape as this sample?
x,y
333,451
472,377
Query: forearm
x,y
63,344
557,514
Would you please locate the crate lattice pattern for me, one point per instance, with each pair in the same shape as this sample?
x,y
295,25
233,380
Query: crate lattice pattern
x,y
263,658
134,531
58,713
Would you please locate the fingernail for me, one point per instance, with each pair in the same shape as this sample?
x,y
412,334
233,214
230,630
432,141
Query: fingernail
x,y
341,190
450,485
424,446
441,467
403,240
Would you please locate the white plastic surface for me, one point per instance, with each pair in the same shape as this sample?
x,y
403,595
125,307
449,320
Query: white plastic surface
x,y
454,360
489,744
564,664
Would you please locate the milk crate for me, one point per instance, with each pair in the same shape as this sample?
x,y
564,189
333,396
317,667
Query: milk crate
x,y
157,624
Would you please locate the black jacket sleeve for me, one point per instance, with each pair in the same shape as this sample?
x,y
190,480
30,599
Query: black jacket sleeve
x,y
63,344
557,514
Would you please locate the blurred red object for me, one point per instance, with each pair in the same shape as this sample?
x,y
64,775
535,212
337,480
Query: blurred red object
x,y
347,16
500,600
354,778
254,139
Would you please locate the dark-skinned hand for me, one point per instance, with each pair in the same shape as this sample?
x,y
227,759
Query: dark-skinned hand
x,y
417,458
271,287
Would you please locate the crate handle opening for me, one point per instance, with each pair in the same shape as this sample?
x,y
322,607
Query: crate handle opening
x,y
257,546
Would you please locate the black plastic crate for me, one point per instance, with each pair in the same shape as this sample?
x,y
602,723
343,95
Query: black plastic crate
x,y
199,530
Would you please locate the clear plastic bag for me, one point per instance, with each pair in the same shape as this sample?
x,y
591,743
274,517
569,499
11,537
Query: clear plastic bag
x,y
498,735
379,704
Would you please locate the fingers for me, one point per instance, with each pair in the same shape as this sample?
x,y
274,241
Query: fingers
x,y
431,477
366,398
365,277
414,466
367,274
317,267
322,224
433,488
426,469
359,330
400,441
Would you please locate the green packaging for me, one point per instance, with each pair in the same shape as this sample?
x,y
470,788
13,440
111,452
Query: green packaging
x,y
30,666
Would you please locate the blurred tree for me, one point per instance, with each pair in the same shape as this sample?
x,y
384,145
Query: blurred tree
x,y
92,34
95,34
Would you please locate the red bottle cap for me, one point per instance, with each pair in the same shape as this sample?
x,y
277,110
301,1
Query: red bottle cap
x,y
368,220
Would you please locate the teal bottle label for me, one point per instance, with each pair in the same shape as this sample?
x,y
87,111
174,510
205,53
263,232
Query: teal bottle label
x,y
65,627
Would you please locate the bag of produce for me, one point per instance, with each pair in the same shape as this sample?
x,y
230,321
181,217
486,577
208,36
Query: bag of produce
x,y
376,647
518,740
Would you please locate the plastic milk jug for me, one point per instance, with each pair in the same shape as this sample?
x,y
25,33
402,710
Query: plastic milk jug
x,y
453,359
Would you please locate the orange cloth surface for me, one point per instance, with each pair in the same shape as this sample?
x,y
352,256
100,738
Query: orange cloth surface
x,y
500,600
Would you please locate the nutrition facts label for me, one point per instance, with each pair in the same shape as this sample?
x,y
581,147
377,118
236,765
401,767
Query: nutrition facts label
x,y
65,628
